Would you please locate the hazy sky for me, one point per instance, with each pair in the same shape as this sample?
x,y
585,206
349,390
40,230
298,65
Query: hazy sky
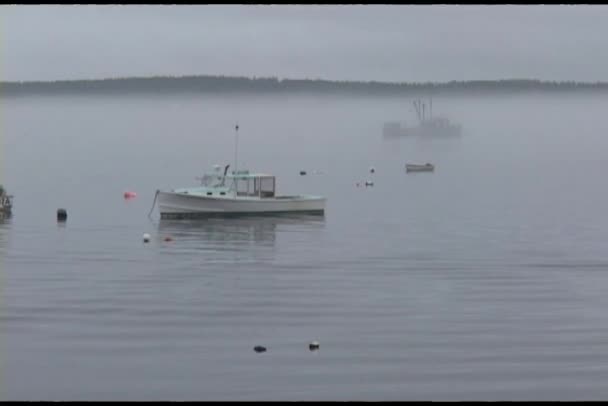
x,y
386,43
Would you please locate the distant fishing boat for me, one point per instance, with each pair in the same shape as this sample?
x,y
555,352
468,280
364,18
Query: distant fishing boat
x,y
419,168
427,127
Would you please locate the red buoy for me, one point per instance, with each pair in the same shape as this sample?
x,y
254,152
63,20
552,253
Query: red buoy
x,y
130,195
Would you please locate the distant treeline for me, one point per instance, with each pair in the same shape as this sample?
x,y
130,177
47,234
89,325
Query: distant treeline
x,y
226,84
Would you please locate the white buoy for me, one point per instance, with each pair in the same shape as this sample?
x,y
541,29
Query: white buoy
x,y
146,237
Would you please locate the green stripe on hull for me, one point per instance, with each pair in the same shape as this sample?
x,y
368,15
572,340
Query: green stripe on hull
x,y
199,215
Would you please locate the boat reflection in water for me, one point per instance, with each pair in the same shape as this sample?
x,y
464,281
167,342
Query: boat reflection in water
x,y
236,233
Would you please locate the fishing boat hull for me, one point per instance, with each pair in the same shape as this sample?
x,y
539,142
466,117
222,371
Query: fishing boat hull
x,y
420,168
183,205
393,131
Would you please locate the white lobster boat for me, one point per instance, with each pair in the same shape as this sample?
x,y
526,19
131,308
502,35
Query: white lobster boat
x,y
236,193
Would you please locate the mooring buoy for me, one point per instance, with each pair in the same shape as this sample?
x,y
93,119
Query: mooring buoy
x,y
62,215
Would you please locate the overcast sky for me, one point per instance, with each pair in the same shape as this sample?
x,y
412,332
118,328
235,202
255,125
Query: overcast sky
x,y
385,43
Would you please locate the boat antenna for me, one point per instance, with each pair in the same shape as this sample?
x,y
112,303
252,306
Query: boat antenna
x,y
236,148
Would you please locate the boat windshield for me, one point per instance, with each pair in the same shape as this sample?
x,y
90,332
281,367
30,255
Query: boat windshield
x,y
212,180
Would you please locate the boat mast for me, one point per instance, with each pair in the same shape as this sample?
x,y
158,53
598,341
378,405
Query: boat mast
x,y
423,116
417,106
236,148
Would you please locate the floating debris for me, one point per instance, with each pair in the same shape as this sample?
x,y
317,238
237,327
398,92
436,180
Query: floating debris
x,y
314,346
168,238
372,169
146,237
259,348
369,183
62,215
313,172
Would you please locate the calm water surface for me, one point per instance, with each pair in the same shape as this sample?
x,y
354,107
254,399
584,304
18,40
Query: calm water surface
x,y
485,280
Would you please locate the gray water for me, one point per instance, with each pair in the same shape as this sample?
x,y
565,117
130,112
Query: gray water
x,y
485,280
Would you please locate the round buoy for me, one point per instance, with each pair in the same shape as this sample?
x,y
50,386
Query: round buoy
x,y
62,215
146,237
259,348
314,346
168,238
130,195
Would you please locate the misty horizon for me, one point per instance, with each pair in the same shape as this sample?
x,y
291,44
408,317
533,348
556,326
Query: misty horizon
x,y
243,85
385,43
293,78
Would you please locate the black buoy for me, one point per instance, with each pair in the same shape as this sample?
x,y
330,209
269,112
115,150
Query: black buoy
x,y
62,215
314,346
259,348
302,173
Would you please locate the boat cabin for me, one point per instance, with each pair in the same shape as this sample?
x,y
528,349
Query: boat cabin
x,y
241,183
253,184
